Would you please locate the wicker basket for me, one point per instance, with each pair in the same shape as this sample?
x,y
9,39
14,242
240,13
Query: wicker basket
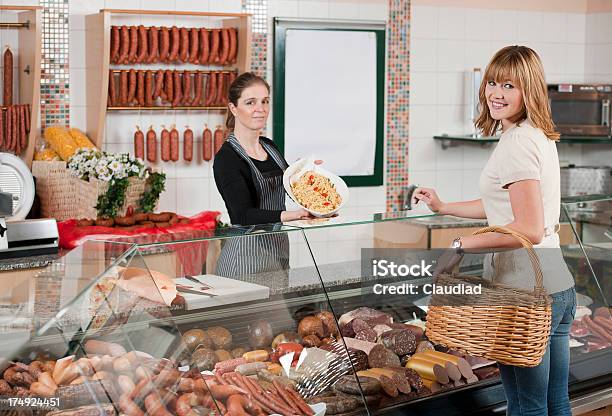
x,y
56,190
63,196
505,324
88,193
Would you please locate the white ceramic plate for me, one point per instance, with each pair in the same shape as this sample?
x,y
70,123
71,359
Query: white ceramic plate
x,y
303,165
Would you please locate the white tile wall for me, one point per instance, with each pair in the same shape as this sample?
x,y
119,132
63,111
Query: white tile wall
x,y
571,154
451,23
598,68
447,43
19,2
343,10
599,46
313,8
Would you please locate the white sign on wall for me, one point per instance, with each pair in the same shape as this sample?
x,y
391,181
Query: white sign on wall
x,y
330,98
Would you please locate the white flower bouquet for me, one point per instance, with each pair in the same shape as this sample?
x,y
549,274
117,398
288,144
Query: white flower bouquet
x,y
89,163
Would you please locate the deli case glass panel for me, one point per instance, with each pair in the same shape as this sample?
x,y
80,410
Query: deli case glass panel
x,y
45,300
273,319
589,259
188,324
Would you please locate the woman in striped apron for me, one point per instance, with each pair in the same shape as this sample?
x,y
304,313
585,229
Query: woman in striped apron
x,y
248,171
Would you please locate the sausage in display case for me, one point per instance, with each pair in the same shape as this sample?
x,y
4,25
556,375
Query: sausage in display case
x,y
177,343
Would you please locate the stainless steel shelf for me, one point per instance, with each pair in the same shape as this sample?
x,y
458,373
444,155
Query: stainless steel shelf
x,y
456,140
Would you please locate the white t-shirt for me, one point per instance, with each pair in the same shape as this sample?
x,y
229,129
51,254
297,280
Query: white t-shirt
x,y
523,153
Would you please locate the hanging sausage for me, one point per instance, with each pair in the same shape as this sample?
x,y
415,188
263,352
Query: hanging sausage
x,y
8,78
187,144
207,144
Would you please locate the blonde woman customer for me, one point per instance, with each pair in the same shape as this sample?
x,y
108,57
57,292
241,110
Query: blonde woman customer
x,y
520,189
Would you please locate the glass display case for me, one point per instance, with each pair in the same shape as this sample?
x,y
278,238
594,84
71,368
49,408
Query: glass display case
x,y
589,259
273,319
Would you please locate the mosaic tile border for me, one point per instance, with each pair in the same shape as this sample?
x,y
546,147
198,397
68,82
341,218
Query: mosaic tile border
x,y
259,35
55,75
398,98
259,52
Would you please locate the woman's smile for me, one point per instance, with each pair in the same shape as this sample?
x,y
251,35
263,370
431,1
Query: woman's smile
x,y
497,105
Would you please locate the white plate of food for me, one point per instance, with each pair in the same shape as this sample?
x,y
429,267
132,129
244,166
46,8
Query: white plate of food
x,y
314,188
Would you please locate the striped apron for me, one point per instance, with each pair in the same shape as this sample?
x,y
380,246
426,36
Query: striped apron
x,y
255,252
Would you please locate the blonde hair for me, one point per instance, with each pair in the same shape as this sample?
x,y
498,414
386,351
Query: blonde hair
x,y
522,66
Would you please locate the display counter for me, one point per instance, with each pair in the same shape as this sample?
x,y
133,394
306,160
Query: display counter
x,y
283,318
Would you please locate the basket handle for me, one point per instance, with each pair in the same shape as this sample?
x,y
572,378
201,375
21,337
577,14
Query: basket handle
x,y
533,257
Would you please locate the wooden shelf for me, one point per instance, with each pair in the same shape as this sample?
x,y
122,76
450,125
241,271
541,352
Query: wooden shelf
x,y
193,71
27,76
5,107
7,25
147,28
98,59
20,8
167,108
174,13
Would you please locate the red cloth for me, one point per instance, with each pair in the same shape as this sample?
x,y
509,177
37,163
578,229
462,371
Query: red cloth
x,y
191,255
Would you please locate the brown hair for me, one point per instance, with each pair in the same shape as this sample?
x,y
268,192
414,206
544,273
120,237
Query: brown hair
x,y
523,67
243,81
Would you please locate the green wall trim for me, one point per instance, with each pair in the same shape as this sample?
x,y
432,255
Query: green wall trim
x,y
278,93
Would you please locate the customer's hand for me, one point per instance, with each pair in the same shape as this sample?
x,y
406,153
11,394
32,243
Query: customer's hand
x,y
447,262
298,214
428,196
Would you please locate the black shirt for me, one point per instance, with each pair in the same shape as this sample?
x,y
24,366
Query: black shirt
x,y
235,183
